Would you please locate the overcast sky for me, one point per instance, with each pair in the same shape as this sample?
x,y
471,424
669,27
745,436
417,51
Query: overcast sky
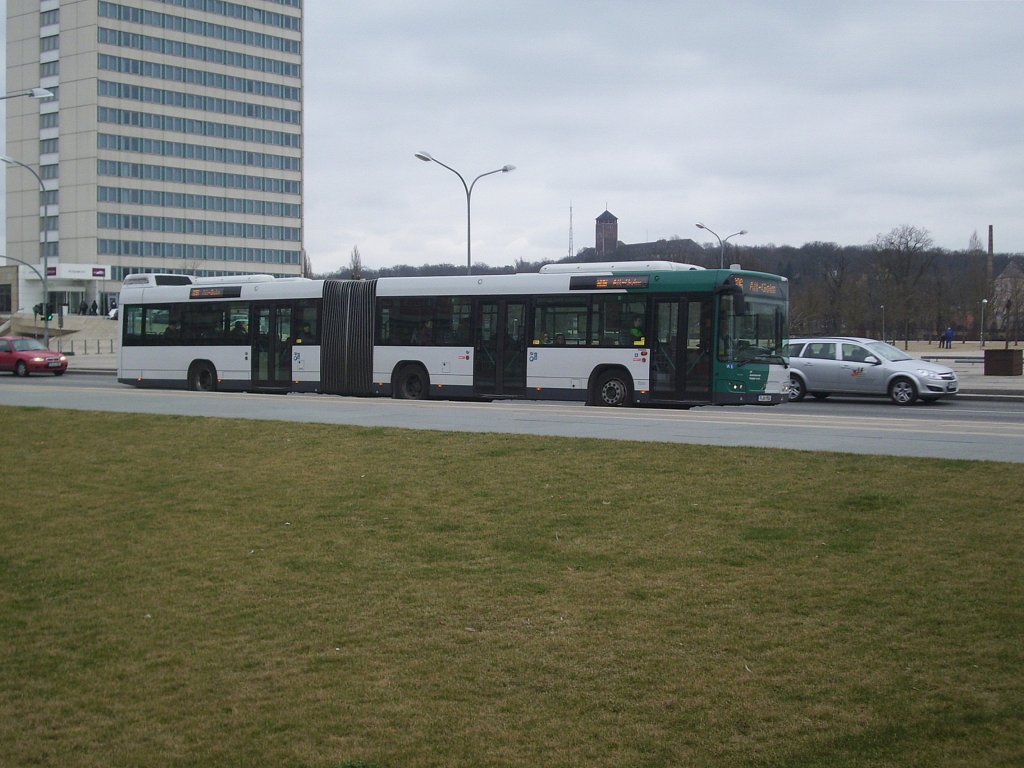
x,y
798,121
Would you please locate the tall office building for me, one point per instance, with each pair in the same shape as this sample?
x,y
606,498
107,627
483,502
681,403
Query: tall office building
x,y
172,141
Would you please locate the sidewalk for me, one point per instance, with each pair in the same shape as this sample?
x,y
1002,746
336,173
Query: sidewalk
x,y
967,359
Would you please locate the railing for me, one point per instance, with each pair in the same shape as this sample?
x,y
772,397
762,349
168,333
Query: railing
x,y
86,346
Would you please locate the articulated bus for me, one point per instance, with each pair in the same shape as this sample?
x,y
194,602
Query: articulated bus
x,y
610,334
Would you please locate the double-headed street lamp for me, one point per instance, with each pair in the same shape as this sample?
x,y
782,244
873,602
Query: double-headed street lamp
x,y
428,158
721,242
45,259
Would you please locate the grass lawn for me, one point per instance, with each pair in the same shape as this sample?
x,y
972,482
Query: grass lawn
x,y
204,592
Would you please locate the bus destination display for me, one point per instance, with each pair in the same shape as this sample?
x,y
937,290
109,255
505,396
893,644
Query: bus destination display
x,y
607,282
216,292
754,287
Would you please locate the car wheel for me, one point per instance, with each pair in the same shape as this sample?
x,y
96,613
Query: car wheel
x,y
20,369
411,383
612,390
797,390
820,395
202,378
903,392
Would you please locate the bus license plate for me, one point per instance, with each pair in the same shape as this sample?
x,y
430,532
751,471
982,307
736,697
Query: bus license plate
x,y
764,398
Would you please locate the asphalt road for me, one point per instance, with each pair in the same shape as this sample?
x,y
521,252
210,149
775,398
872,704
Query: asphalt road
x,y
955,429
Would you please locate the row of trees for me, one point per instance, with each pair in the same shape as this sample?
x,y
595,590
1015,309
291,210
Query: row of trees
x,y
901,285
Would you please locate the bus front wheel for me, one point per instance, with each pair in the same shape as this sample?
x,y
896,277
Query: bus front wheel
x,y
202,378
613,389
411,383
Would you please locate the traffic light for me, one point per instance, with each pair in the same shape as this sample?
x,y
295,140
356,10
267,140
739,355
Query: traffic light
x,y
49,311
38,309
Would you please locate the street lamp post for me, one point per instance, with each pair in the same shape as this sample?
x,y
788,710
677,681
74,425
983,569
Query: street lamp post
x,y
721,242
428,158
983,303
46,258
35,93
883,322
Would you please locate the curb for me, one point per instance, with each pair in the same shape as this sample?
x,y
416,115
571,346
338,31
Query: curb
x,y
1004,395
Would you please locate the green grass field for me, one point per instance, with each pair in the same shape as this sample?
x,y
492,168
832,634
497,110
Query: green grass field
x,y
202,592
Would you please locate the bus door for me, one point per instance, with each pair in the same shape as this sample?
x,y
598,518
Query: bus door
x,y
271,326
499,362
681,352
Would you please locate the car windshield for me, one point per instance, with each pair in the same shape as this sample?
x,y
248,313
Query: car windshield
x,y
888,352
26,345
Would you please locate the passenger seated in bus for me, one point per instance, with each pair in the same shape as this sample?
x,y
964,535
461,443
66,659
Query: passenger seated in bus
x,y
636,333
173,330
238,331
425,334
304,335
559,339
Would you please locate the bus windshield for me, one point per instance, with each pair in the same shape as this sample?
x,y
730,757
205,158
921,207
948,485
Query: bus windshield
x,y
752,330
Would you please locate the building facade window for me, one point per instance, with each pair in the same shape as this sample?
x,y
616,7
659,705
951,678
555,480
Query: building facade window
x,y
197,152
206,128
200,227
190,201
206,54
170,23
186,100
237,11
196,177
199,77
192,252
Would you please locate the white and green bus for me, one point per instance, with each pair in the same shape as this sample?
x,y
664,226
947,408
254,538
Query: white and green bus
x,y
611,334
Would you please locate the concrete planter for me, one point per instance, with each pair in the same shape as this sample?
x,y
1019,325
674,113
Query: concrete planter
x,y
1004,362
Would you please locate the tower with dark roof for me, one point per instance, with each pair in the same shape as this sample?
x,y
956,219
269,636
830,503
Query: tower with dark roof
x,y
607,235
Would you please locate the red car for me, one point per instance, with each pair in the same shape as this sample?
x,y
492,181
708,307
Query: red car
x,y
23,356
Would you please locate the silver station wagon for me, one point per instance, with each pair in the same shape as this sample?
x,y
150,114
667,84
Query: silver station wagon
x,y
852,366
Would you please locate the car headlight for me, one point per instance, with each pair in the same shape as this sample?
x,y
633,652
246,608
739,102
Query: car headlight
x,y
38,359
928,374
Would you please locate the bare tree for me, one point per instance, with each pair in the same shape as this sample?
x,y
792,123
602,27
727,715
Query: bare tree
x,y
902,257
355,264
975,244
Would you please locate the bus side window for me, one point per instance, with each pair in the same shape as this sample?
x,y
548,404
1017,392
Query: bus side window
x,y
306,322
132,319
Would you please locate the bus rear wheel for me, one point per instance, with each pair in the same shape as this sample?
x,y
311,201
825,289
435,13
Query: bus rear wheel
x,y
202,378
411,383
613,389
